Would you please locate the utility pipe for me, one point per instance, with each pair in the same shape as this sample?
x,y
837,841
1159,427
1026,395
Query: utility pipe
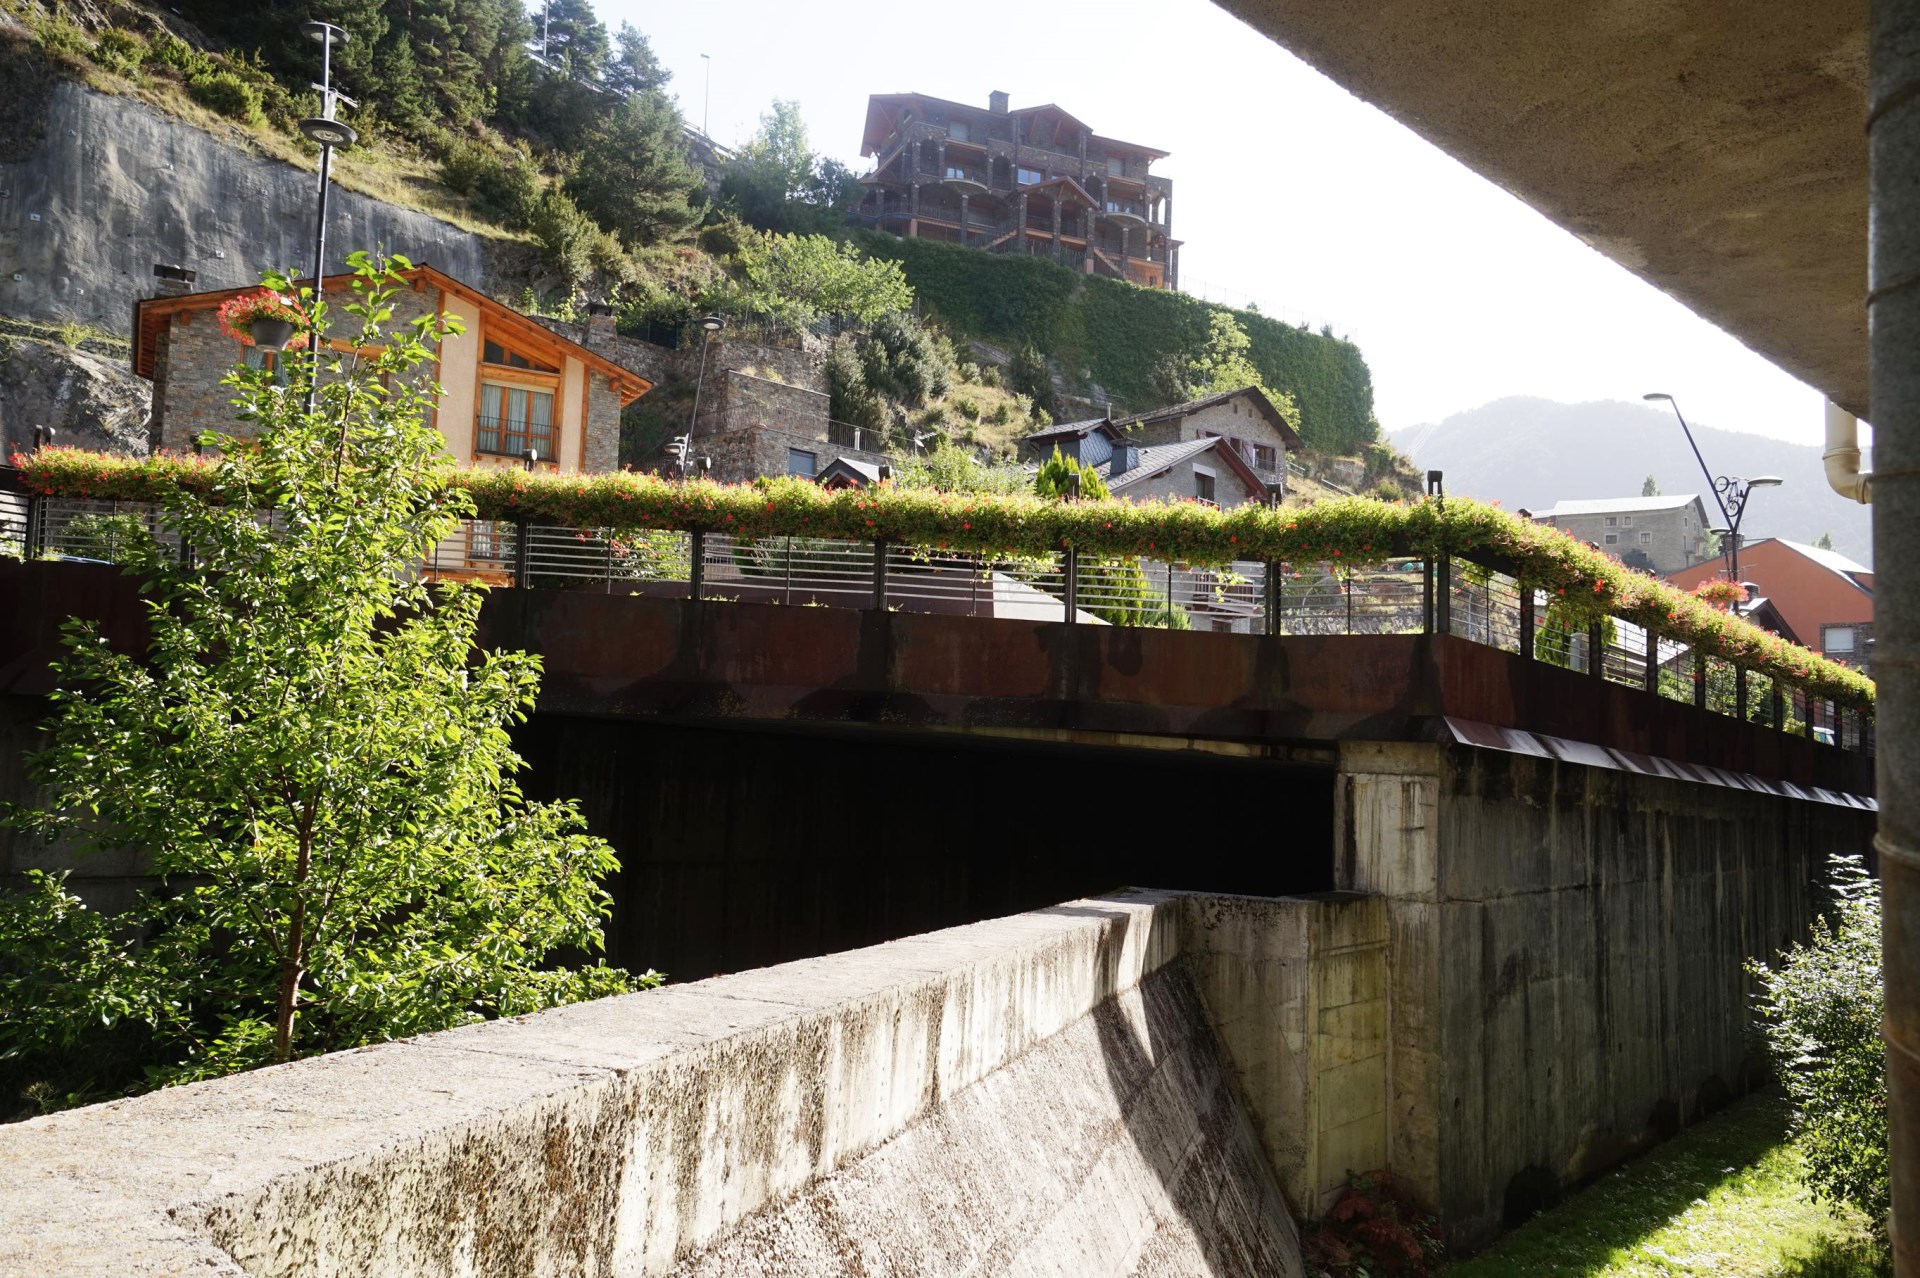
x,y
1842,457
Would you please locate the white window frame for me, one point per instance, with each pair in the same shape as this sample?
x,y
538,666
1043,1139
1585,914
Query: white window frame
x,y
813,463
1828,633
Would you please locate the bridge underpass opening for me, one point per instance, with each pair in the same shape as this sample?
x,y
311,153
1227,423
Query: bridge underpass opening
x,y
742,847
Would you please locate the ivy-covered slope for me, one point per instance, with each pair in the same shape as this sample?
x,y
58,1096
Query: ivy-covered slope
x,y
1120,333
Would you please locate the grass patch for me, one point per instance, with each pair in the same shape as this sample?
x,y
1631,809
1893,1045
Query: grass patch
x,y
1723,1198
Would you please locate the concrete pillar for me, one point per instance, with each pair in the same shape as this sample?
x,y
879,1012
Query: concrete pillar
x,y
1893,311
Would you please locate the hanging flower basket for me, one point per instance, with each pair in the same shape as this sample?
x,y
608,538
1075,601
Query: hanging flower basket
x,y
264,319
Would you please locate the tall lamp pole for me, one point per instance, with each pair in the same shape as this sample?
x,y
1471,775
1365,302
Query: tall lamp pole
x,y
329,132
709,325
1730,492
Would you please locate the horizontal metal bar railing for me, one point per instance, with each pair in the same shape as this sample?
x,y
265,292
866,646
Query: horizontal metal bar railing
x,y
1474,603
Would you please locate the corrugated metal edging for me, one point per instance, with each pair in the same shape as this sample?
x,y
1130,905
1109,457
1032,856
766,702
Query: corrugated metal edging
x,y
1513,741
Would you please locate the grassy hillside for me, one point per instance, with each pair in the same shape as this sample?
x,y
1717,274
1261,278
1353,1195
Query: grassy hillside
x,y
1115,335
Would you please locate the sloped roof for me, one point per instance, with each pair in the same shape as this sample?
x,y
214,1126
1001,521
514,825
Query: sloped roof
x,y
865,471
1260,401
1157,459
152,314
1831,560
1086,426
1623,505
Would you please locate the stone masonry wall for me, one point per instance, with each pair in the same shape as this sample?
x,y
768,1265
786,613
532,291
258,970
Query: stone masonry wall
x,y
194,355
1229,489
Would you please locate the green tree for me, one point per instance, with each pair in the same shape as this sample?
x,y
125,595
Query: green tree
x,y
782,149
633,176
1029,374
797,279
902,358
1223,363
310,753
572,39
956,470
1825,542
1650,487
633,68
1056,476
1821,1008
777,183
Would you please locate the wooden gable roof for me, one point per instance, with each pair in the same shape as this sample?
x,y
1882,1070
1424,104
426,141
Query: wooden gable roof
x,y
151,316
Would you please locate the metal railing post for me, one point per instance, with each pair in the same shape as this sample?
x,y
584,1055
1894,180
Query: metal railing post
x,y
1526,622
786,595
1073,586
697,564
1169,594
1779,708
1443,596
880,576
1699,678
33,538
1426,595
1597,648
1740,693
1274,586
1652,674
522,554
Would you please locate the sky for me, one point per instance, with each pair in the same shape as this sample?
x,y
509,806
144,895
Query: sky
x,y
1288,191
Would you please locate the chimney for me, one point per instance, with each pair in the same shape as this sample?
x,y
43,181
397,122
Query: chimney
x,y
997,102
172,281
1126,456
600,324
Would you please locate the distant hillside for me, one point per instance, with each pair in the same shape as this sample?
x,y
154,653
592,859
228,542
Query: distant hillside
x,y
1535,452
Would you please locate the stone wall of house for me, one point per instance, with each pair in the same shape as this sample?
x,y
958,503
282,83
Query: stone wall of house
x,y
194,356
1236,419
736,401
1672,539
743,455
601,449
1229,489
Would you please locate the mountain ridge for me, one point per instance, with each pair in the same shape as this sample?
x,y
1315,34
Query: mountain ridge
x,y
1528,452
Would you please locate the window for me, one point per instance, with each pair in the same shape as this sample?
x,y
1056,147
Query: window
x,y
1646,537
1612,538
1116,166
1028,177
492,352
1203,485
958,131
1836,638
1611,521
514,419
802,463
1626,521
1263,457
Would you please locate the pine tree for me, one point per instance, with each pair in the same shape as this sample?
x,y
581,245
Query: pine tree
x,y
634,178
574,40
1651,488
633,68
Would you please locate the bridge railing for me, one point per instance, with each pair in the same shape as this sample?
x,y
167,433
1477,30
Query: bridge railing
x,y
1455,596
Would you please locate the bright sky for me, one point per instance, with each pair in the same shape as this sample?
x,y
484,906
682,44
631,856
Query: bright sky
x,y
1288,191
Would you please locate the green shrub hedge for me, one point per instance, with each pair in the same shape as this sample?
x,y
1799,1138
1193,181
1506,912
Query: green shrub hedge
x,y
1583,582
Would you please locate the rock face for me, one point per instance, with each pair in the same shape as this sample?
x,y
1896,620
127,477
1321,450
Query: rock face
x,y
114,186
91,401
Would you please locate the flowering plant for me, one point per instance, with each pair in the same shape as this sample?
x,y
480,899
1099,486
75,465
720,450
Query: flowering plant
x,y
1720,594
239,313
1351,532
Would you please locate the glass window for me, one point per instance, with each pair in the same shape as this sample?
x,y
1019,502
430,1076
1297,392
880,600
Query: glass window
x,y
1028,177
1612,538
958,131
1836,638
802,463
514,419
1203,485
1646,536
494,353
1626,521
1612,521
1263,457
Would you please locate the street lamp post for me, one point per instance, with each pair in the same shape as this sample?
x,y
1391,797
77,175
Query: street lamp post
x,y
329,133
709,325
1730,492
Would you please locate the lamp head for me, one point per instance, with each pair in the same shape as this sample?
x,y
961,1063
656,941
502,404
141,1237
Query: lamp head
x,y
329,132
712,323
1765,481
1653,395
325,33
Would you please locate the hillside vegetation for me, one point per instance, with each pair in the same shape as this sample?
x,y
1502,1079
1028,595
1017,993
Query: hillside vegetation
x,y
547,127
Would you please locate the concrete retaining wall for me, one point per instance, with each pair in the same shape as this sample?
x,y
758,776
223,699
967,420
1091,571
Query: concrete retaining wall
x,y
1038,1094
1566,945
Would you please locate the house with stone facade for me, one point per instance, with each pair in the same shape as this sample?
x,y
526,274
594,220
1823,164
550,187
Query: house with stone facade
x,y
1207,470
510,386
1656,534
1035,180
1245,419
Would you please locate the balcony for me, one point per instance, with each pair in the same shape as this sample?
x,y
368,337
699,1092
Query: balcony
x,y
969,181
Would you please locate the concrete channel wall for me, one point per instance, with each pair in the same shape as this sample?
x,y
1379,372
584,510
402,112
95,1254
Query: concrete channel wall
x,y
1567,948
1039,1094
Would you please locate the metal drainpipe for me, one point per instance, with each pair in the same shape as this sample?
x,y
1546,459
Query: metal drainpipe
x,y
1893,317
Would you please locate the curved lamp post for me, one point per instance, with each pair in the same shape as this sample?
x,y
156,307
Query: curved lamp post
x,y
709,325
328,132
1730,492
